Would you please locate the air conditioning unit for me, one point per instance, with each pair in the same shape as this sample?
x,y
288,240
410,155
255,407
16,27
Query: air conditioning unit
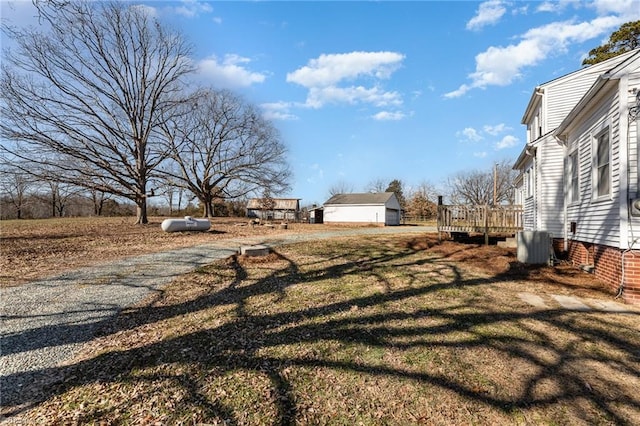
x,y
534,247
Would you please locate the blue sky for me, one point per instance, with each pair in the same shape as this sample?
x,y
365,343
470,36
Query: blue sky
x,y
364,91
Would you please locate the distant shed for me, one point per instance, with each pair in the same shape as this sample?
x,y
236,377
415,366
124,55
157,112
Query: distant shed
x,y
316,215
280,209
381,208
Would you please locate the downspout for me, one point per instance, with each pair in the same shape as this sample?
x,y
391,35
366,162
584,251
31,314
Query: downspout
x,y
632,115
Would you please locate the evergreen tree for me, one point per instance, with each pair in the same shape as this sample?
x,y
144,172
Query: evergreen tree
x,y
623,40
395,186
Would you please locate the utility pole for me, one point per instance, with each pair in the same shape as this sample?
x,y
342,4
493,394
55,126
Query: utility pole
x,y
495,184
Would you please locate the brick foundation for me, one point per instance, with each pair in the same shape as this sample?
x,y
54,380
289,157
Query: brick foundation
x,y
607,265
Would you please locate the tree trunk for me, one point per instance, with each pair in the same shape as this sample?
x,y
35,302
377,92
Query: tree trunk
x,y
208,208
141,211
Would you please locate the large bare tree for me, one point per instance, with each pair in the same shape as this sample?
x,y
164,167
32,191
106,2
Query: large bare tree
x,y
224,149
84,97
477,186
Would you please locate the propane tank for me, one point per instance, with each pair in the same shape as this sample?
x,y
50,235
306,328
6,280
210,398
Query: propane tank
x,y
186,224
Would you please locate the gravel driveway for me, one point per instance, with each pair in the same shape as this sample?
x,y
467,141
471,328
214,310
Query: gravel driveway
x,y
45,322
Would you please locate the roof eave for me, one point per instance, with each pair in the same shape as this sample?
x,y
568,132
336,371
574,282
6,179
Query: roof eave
x,y
536,97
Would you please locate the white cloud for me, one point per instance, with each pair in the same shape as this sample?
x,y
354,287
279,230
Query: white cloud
x,y
489,13
192,8
320,96
325,76
629,10
389,116
230,73
500,66
146,9
495,130
522,10
328,70
507,142
549,6
470,135
317,173
481,154
277,111
460,91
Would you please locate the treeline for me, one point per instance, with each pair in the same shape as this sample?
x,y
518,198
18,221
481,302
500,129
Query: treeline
x,y
24,198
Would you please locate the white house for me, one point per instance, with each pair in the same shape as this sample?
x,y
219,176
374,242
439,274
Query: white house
x,y
380,208
539,186
600,212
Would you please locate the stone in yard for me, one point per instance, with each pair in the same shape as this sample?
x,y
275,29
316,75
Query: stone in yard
x,y
255,250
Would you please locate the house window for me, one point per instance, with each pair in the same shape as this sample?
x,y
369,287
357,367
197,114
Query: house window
x,y
573,187
602,165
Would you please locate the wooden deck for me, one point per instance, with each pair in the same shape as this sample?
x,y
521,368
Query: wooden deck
x,y
479,219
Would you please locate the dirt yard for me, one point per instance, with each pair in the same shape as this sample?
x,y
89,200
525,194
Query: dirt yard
x,y
388,329
35,249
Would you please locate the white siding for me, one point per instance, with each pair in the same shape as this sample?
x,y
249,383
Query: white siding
x,y
550,199
563,96
354,214
598,221
529,218
634,158
634,135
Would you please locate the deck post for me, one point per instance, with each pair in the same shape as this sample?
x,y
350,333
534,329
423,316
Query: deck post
x,y
439,218
486,224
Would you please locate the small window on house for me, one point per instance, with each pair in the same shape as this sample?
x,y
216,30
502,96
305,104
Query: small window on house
x,y
573,186
602,165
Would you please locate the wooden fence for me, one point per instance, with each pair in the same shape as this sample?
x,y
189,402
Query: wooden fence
x,y
479,219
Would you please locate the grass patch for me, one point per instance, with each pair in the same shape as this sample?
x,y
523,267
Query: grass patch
x,y
375,330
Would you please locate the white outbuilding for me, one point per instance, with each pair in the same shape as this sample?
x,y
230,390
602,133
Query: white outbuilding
x,y
382,208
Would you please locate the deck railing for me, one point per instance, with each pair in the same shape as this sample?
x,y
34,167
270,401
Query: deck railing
x,y
479,219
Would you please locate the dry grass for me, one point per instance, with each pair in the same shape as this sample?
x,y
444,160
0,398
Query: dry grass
x,y
34,249
382,330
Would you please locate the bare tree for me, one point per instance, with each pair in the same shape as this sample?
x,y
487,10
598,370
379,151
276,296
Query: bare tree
x,y
85,99
481,187
267,204
376,185
224,149
14,189
422,201
98,200
340,187
59,196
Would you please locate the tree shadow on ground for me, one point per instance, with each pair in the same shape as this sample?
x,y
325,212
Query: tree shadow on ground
x,y
546,340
